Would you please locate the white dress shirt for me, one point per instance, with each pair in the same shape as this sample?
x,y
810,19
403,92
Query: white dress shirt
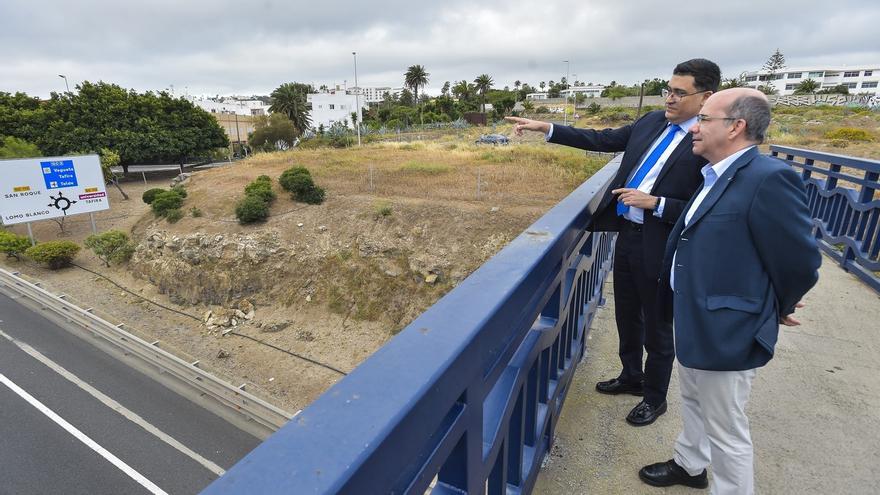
x,y
637,215
711,173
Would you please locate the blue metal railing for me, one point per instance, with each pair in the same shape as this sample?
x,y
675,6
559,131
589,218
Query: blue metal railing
x,y
466,398
846,218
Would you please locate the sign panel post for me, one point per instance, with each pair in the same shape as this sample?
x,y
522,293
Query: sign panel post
x,y
44,188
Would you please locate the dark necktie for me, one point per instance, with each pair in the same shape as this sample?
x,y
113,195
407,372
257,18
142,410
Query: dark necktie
x,y
648,165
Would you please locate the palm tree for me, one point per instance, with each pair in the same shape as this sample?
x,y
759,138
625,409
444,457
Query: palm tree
x,y
733,82
807,87
290,99
462,90
484,84
416,77
542,84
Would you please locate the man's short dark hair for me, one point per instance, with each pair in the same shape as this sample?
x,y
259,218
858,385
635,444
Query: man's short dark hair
x,y
707,75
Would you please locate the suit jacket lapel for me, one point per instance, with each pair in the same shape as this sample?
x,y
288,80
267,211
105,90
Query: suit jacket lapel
x,y
642,148
622,176
685,144
720,186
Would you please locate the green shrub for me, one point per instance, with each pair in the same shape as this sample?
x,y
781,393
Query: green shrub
x,y
173,215
382,208
195,212
299,183
251,209
150,194
850,134
312,196
55,254
13,245
11,147
263,178
287,177
164,201
179,189
261,189
111,246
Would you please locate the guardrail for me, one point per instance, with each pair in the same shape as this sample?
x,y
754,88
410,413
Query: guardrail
x,y
261,412
466,398
847,219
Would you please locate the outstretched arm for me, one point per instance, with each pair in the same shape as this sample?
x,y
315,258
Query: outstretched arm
x,y
520,124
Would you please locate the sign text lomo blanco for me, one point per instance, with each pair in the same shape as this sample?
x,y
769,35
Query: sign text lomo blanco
x,y
42,188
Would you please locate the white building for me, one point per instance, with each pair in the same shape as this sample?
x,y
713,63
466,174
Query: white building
x,y
328,108
376,94
537,96
594,91
858,79
232,106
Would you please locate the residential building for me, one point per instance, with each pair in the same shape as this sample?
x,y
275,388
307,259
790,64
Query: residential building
x,y
232,106
594,91
538,96
237,127
857,79
334,106
375,94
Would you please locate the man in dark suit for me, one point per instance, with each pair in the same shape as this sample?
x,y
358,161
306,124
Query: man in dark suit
x,y
658,175
737,263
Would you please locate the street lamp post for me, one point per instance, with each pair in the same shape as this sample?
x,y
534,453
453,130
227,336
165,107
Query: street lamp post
x,y
62,76
565,105
357,99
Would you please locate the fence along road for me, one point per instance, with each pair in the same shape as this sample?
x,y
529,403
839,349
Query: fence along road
x,y
74,419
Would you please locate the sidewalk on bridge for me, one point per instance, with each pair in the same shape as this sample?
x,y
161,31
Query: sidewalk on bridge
x,y
814,409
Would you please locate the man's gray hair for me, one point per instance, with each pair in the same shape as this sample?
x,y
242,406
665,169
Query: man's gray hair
x,y
755,110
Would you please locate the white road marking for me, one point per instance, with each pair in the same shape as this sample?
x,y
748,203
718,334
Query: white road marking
x,y
112,404
125,468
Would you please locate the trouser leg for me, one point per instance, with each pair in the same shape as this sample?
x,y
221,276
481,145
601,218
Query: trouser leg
x,y
692,451
723,399
628,307
659,345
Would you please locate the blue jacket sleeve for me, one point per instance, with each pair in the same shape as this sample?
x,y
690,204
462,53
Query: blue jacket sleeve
x,y
607,140
779,220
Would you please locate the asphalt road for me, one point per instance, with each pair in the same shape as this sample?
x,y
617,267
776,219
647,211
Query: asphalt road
x,y
74,419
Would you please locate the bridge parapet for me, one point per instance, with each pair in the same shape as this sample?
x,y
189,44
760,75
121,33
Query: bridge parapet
x,y
846,217
465,398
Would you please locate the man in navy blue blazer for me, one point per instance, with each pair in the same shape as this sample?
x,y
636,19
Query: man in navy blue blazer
x,y
737,263
657,176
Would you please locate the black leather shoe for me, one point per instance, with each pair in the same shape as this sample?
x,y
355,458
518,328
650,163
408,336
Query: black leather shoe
x,y
644,414
614,386
669,473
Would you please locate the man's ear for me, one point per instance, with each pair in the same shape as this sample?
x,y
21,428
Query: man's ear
x,y
738,128
706,96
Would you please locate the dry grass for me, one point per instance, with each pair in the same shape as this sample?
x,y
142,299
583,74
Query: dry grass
x,y
446,169
811,127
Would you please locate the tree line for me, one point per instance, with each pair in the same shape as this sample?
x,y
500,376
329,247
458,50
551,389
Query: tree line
x,y
140,127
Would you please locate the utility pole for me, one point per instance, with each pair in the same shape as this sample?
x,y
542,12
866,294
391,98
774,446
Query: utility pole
x,y
641,98
357,99
62,76
565,106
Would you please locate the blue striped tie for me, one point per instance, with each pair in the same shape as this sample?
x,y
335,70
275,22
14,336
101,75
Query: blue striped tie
x,y
648,165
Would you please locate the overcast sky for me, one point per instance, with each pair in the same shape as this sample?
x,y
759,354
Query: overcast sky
x,y
238,47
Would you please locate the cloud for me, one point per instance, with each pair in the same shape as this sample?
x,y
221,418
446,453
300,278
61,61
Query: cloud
x,y
223,47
